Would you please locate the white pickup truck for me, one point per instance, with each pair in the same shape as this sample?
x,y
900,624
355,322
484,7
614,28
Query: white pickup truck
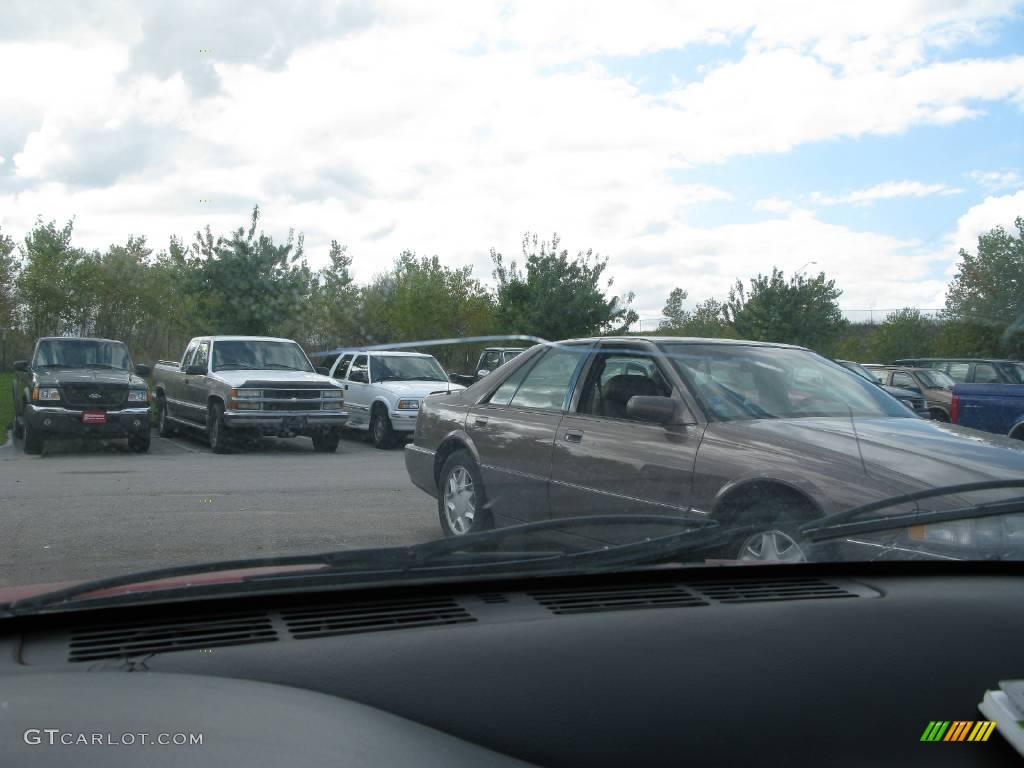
x,y
236,386
383,390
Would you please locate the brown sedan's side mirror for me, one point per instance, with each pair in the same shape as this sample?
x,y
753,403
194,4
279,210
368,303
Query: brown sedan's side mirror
x,y
659,410
21,365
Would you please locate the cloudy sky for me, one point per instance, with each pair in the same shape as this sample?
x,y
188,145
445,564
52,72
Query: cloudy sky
x,y
691,142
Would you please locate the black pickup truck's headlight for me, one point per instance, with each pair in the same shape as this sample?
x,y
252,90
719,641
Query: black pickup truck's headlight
x,y
138,395
45,393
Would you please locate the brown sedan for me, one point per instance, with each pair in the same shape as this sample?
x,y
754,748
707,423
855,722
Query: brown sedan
x,y
745,433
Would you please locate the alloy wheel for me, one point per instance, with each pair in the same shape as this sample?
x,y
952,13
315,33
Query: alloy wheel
x,y
460,501
771,546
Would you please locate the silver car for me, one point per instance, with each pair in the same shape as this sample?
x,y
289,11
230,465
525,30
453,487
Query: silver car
x,y
759,437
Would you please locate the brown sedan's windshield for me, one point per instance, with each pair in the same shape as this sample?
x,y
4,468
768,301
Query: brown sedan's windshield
x,y
736,382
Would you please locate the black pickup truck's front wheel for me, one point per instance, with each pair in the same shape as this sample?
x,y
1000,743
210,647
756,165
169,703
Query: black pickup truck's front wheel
x,y
139,443
32,439
216,429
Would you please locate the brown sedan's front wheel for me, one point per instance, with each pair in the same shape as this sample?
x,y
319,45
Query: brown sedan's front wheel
x,y
461,501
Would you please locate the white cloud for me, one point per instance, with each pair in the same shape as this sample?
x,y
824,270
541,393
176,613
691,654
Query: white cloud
x,y
773,205
886,191
997,180
992,212
418,132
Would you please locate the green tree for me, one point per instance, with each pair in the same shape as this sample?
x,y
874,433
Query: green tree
x,y
986,296
336,302
904,333
676,315
8,276
557,297
48,282
801,310
421,298
248,285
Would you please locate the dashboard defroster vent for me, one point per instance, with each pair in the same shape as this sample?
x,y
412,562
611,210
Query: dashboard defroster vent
x,y
616,598
771,590
141,638
322,621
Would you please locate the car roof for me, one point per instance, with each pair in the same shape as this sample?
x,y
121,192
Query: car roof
x,y
78,338
961,359
686,340
242,338
505,349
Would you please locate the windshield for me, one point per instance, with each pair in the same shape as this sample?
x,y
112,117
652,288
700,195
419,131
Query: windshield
x,y
401,273
257,355
1014,372
75,353
936,379
737,382
406,368
860,370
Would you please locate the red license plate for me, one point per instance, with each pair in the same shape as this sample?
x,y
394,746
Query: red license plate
x,y
94,417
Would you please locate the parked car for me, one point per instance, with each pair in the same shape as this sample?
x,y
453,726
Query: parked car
x,y
233,387
80,387
996,408
935,386
490,360
967,370
384,389
913,400
758,437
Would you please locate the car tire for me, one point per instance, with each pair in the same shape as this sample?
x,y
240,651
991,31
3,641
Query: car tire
x,y
139,443
381,433
773,519
326,441
940,416
32,440
461,500
166,427
215,429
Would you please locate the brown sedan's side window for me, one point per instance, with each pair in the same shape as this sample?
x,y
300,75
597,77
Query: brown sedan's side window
x,y
614,378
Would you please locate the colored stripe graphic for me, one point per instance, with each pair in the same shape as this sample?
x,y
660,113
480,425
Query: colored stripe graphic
x,y
958,731
935,730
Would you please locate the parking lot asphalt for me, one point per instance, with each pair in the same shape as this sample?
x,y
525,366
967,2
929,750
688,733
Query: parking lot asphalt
x,y
91,510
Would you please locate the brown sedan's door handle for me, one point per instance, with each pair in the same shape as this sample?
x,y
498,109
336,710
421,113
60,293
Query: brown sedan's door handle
x,y
480,421
574,435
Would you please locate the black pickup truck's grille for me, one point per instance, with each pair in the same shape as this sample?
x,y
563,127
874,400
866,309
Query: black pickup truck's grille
x,y
93,395
299,394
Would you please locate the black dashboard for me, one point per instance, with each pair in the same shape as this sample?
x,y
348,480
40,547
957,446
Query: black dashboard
x,y
783,665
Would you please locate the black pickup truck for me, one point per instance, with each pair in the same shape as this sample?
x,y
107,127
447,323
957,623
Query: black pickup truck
x,y
77,387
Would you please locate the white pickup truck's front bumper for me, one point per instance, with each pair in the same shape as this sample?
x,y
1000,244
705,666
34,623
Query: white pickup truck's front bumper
x,y
294,421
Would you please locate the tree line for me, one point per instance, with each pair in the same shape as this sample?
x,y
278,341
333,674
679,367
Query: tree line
x,y
246,283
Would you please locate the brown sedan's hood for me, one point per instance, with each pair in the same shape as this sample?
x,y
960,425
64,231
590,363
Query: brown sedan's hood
x,y
899,456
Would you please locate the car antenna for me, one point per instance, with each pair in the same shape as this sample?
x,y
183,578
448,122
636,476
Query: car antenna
x,y
856,439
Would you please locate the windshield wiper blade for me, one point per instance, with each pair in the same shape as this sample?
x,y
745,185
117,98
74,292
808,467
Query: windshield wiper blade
x,y
234,366
850,521
444,555
104,365
281,366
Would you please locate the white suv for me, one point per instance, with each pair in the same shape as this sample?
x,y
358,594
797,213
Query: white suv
x,y
383,390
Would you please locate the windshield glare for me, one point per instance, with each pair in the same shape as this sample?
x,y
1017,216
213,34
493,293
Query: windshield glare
x,y
256,355
936,379
405,368
736,382
82,354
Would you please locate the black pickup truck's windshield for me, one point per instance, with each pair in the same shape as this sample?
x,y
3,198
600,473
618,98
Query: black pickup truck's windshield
x,y
82,353
737,382
405,368
259,355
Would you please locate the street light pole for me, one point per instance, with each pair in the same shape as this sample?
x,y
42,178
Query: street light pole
x,y
804,267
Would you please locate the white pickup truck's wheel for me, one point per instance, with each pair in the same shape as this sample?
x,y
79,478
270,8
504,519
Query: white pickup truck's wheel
x,y
381,433
216,429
